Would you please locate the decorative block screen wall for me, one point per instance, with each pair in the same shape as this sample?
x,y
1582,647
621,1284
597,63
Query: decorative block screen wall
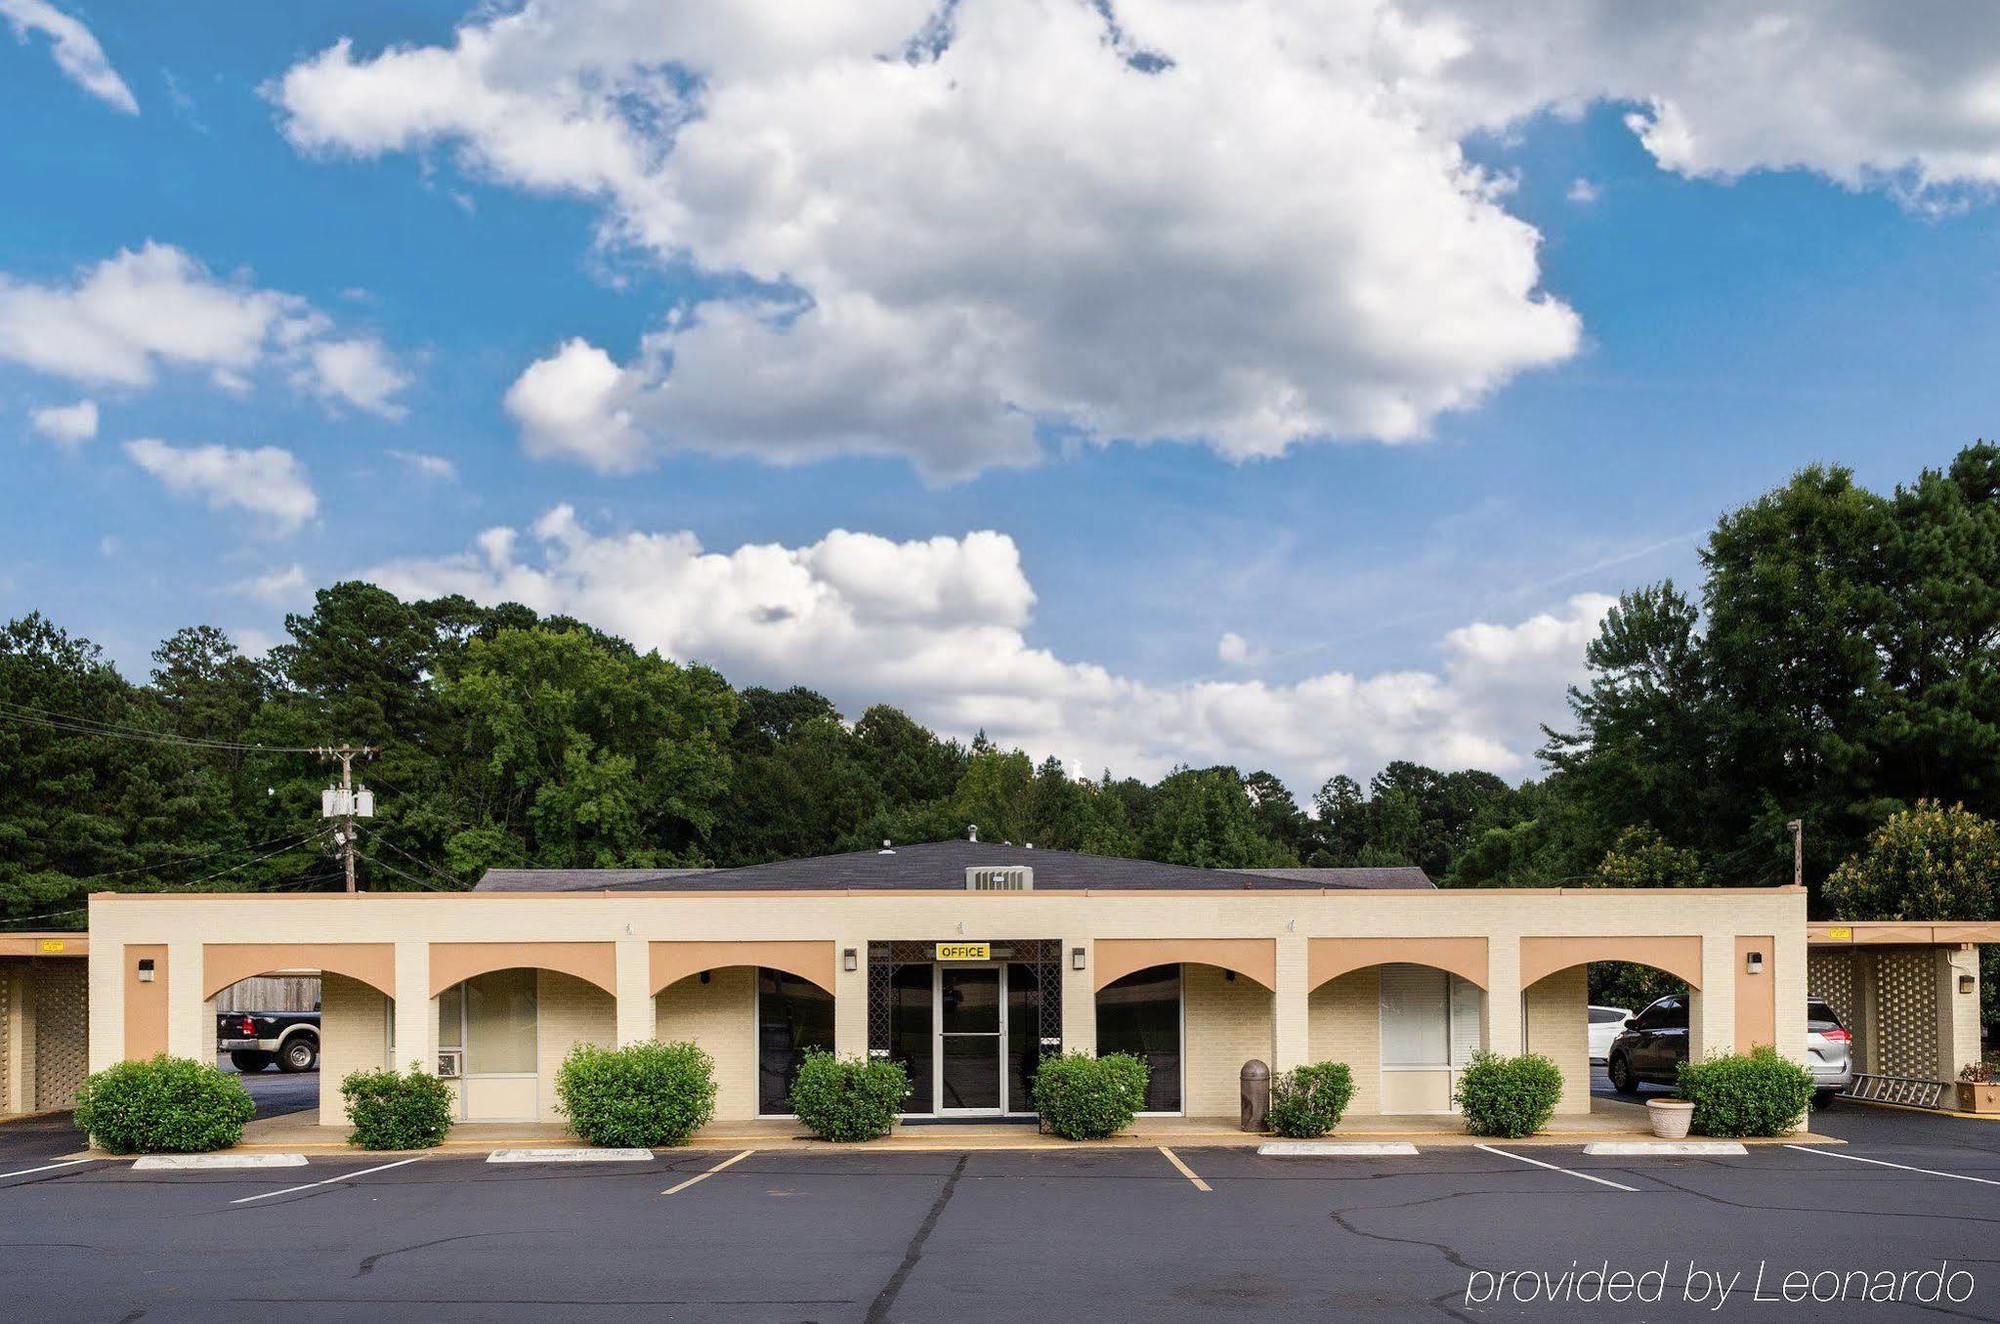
x,y
1906,1013
62,1031
1830,975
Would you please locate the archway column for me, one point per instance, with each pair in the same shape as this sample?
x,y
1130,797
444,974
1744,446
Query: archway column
x,y
633,973
1503,998
416,1022
1291,994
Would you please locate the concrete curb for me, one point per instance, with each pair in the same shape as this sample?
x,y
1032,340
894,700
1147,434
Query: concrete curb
x,y
185,1162
570,1156
1337,1149
1640,1148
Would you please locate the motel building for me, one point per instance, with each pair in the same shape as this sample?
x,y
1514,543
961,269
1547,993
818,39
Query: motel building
x,y
967,962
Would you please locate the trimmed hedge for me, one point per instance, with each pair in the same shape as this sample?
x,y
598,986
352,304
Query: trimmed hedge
x,y
1081,1097
1508,1096
1307,1101
169,1105
389,1110
1747,1094
642,1096
849,1099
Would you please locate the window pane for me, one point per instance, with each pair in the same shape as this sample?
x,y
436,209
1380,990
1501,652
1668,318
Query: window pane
x,y
1024,1037
451,1017
794,1017
1141,1015
971,996
1414,1032
500,1022
910,1032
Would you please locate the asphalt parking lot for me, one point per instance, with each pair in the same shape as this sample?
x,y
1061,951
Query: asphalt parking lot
x,y
1112,1234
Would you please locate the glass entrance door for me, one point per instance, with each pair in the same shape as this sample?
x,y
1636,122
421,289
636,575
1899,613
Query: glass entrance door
x,y
970,1041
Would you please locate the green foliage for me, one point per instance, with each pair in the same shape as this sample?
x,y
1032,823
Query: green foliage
x,y
1630,985
640,1096
1081,1097
1746,1094
849,1099
1205,819
389,1110
1641,857
169,1105
1930,862
1307,1102
1508,1096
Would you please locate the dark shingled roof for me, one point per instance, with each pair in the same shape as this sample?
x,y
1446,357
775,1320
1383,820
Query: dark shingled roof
x,y
941,866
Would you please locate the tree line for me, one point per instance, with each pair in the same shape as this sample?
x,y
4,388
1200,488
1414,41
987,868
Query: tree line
x,y
1838,665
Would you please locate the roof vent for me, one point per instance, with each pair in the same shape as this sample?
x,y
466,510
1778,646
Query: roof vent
x,y
887,849
972,832
1007,878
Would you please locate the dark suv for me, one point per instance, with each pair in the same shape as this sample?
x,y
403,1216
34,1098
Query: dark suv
x,y
1655,1043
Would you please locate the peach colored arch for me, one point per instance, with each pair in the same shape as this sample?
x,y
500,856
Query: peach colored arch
x,y
1678,956
1330,958
592,962
1256,958
672,962
223,963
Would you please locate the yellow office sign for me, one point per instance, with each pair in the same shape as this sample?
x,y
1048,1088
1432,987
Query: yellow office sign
x,y
52,944
965,951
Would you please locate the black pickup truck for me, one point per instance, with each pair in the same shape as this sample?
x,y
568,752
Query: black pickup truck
x,y
255,1039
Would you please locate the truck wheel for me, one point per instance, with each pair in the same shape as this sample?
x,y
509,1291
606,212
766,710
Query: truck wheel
x,y
249,1061
301,1053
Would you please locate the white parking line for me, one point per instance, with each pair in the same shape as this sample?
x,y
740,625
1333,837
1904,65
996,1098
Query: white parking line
x,y
1568,1172
1884,1163
345,1176
1186,1171
46,1167
704,1176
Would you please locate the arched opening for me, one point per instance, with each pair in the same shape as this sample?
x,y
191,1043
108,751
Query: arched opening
x,y
502,1034
292,1033
1613,1027
1194,1024
1405,1029
788,1014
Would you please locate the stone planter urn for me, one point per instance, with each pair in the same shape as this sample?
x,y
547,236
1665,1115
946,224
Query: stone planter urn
x,y
1670,1117
1979,1096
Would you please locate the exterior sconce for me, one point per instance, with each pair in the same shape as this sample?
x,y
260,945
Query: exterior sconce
x,y
1754,963
145,969
1965,983
1076,958
704,976
850,960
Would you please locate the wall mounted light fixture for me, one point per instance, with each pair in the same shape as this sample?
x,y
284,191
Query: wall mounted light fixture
x,y
1754,963
145,969
1966,983
1076,958
850,960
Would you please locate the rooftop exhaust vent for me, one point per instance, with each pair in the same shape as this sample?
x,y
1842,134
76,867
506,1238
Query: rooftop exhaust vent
x,y
1011,878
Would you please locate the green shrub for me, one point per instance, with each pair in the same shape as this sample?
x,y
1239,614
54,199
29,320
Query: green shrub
x,y
849,1098
641,1096
1508,1096
1746,1094
1307,1102
170,1105
1088,1098
393,1111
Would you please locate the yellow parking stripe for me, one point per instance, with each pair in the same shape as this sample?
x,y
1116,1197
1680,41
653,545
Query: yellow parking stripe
x,y
1186,1171
704,1176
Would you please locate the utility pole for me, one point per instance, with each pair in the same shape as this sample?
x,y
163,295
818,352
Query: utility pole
x,y
1798,830
347,801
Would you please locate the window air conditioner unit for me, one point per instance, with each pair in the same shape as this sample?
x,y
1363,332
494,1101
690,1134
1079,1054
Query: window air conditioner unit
x,y
451,1063
1011,878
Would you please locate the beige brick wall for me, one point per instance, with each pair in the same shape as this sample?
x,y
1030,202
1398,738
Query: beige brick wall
x,y
1344,1024
353,1036
571,1012
1226,1023
721,1017
1558,1027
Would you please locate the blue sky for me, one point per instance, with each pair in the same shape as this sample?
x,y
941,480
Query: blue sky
x,y
1735,318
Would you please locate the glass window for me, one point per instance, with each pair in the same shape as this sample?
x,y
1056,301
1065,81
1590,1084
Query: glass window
x,y
910,1032
794,1017
500,1023
1141,1015
451,1017
1820,1016
1605,1015
1024,1036
1416,1028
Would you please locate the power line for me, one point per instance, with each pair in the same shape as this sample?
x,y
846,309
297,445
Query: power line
x,y
28,715
431,869
193,882
186,859
408,877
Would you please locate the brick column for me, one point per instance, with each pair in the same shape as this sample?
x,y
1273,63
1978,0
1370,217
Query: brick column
x,y
635,1000
1712,1017
850,997
1288,1007
416,1022
1503,995
1079,998
190,1030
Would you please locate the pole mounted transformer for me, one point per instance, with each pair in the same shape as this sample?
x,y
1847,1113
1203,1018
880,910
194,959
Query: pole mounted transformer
x,y
346,802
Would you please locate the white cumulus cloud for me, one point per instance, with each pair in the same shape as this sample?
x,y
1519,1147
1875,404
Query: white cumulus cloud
x,y
267,481
1247,224
122,320
278,588
66,425
77,52
938,627
425,465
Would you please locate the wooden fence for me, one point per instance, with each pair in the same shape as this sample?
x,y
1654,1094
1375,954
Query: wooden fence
x,y
271,993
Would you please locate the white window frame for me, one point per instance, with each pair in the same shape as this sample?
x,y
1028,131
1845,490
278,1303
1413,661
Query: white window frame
x,y
465,1041
1450,1065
